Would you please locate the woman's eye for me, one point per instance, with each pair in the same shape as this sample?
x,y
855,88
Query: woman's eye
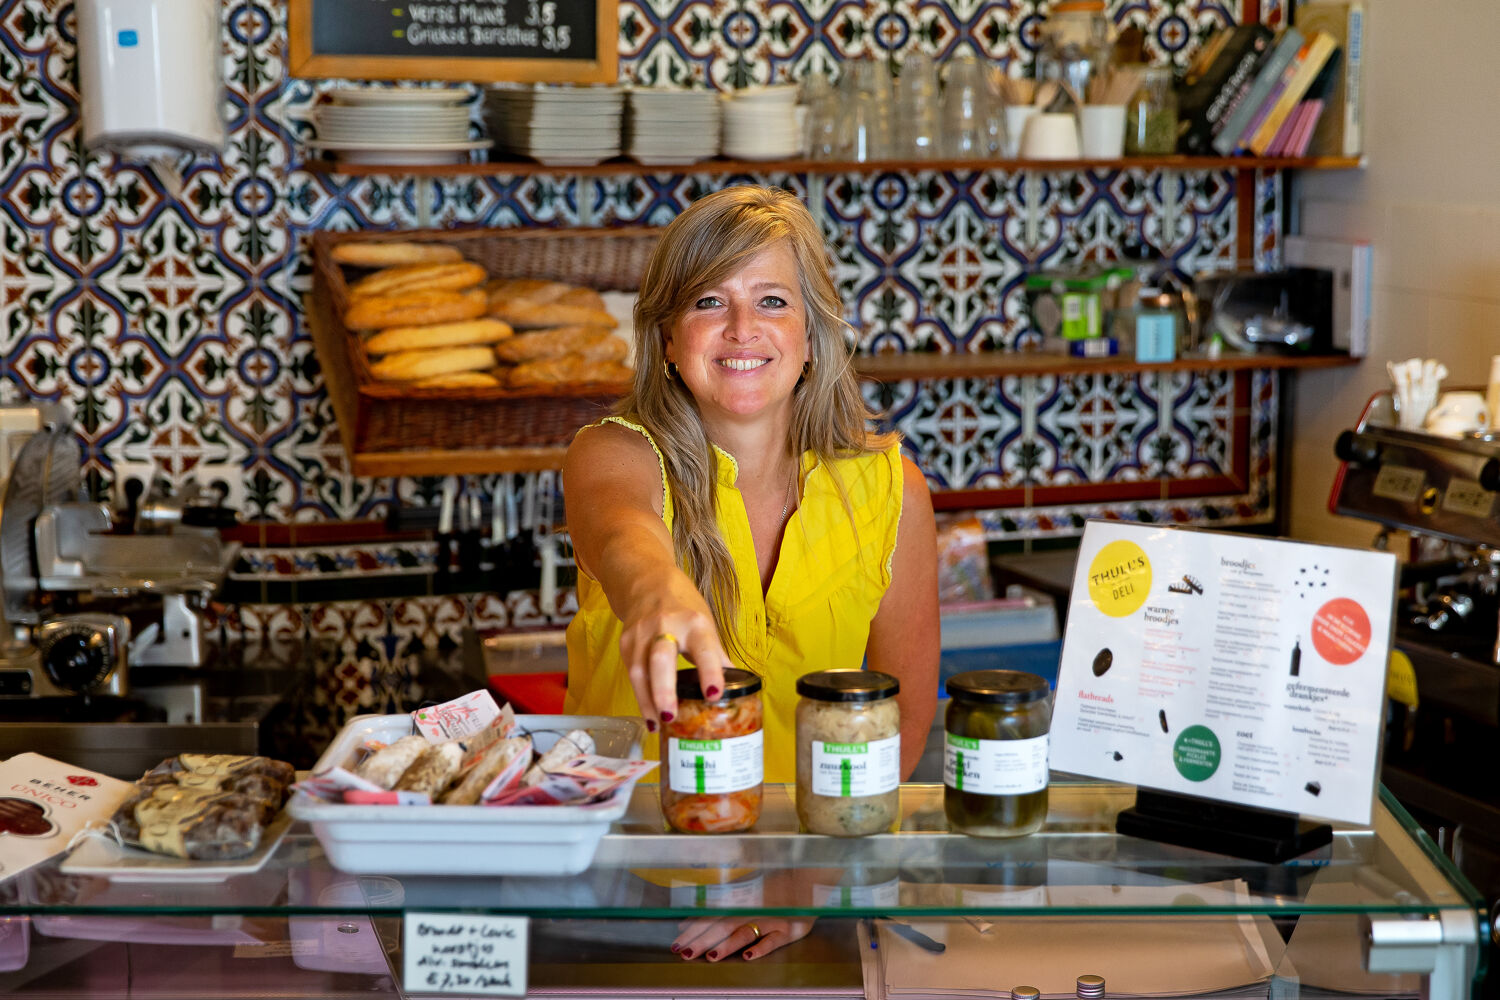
x,y
774,301
707,302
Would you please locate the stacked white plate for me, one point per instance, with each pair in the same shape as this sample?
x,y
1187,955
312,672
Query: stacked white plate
x,y
558,125
380,125
762,123
672,126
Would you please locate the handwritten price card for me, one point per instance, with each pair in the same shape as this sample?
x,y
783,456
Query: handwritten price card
x,y
463,953
1243,669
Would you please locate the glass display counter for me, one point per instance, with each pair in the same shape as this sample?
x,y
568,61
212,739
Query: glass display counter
x,y
904,916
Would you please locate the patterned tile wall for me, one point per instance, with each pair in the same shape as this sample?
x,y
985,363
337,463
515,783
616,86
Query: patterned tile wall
x,y
165,305
167,312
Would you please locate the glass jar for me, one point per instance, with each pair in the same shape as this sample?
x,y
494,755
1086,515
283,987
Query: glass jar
x,y
1076,39
995,753
1151,114
713,756
848,752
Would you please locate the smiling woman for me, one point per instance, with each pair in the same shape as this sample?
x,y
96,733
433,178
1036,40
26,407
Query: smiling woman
x,y
739,510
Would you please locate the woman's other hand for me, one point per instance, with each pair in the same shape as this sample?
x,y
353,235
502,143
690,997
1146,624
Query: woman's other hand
x,y
615,502
717,938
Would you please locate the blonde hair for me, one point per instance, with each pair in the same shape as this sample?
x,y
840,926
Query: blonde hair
x,y
707,243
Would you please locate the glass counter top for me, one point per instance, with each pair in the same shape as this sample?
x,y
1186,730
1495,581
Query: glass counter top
x,y
1077,865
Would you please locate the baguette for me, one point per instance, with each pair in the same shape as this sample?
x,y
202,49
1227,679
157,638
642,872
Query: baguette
x,y
580,296
525,315
530,289
376,312
553,343
410,365
460,380
393,253
566,371
420,338
423,277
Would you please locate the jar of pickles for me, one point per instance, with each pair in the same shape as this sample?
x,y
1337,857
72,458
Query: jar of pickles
x,y
848,752
995,753
713,757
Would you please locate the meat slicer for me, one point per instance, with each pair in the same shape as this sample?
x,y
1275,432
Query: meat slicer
x,y
82,600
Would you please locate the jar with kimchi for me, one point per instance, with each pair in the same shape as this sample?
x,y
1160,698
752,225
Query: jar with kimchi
x,y
713,757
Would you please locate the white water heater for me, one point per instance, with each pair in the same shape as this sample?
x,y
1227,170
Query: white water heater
x,y
150,75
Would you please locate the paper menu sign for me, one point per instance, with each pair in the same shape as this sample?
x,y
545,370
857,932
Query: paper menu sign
x,y
471,954
1242,669
44,802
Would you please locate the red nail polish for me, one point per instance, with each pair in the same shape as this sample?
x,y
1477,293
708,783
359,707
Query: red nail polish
x,y
650,725
676,948
713,955
687,953
667,716
712,694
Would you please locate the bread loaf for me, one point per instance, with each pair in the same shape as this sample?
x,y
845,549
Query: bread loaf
x,y
393,253
531,289
553,343
566,371
579,296
418,277
526,315
421,338
421,308
460,380
410,365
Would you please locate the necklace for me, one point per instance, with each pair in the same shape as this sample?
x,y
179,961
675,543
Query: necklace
x,y
786,505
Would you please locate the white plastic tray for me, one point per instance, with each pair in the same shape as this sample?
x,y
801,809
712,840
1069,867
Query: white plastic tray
x,y
466,840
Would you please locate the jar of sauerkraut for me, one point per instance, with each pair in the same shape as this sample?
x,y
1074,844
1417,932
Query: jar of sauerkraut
x,y
712,756
848,752
995,752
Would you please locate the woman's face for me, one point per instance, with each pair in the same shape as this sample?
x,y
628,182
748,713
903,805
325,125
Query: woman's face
x,y
740,346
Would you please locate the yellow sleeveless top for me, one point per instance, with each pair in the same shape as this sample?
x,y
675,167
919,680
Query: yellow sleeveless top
x,y
830,576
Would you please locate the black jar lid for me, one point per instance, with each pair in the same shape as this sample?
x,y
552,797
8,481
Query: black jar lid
x,y
997,687
737,684
848,685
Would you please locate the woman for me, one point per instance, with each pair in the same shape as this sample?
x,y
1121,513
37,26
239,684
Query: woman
x,y
738,510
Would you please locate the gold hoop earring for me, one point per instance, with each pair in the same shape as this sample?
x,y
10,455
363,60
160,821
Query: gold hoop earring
x,y
668,369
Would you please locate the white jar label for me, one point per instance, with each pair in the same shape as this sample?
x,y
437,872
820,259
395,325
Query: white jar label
x,y
714,767
995,767
849,770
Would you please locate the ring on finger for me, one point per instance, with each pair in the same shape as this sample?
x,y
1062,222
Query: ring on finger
x,y
666,637
755,930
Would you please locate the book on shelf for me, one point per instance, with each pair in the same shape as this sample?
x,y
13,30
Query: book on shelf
x,y
1299,121
1312,106
1316,50
1340,130
1267,75
1216,82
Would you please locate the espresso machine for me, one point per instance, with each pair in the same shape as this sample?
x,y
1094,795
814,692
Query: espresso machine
x,y
1441,738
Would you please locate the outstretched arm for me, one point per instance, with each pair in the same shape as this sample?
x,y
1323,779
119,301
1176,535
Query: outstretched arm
x,y
615,499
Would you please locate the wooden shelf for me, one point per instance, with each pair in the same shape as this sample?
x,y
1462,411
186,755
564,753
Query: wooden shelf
x,y
517,168
996,364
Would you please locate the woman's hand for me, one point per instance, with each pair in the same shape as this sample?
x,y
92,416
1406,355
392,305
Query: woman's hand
x,y
674,620
716,938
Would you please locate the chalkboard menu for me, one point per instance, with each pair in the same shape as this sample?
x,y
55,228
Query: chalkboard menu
x,y
459,40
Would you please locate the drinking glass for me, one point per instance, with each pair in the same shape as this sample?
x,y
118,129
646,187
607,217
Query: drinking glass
x,y
917,103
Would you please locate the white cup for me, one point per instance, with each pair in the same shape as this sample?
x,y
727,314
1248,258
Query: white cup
x,y
1102,128
1016,117
1050,136
1458,413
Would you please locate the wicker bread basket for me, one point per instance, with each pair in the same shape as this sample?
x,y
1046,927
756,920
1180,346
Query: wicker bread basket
x,y
392,428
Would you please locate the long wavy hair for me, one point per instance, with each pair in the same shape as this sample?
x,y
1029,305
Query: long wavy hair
x,y
708,242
